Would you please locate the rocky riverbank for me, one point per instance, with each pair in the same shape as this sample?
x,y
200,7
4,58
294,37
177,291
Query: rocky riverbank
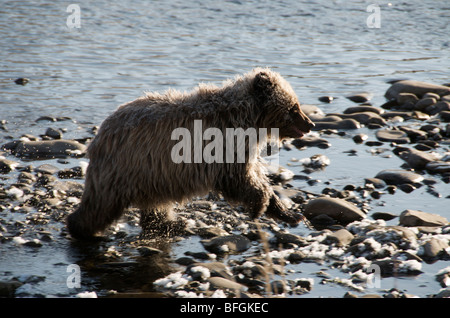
x,y
239,257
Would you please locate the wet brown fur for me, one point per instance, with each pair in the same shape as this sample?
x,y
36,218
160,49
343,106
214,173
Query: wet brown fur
x,y
130,158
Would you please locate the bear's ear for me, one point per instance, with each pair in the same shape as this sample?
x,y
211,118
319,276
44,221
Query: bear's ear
x,y
262,86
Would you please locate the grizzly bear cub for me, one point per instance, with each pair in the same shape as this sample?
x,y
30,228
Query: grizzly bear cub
x,y
135,157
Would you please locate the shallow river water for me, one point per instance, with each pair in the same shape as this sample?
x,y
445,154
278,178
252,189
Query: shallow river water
x,y
124,48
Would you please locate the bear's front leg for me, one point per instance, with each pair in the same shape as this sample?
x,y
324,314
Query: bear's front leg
x,y
278,211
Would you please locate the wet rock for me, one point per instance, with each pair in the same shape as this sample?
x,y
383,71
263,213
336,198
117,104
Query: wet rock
x,y
390,135
46,169
360,138
288,238
415,87
311,141
21,81
363,109
397,177
229,243
53,133
413,134
326,99
313,112
363,118
338,209
278,287
377,183
48,149
444,293
419,218
443,277
7,165
318,161
223,283
359,97
8,288
148,251
444,116
416,159
340,237
433,247
383,216
438,107
403,98
438,167
216,269
424,103
209,232
345,124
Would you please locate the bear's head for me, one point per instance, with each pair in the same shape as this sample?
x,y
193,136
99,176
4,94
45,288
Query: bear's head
x,y
278,105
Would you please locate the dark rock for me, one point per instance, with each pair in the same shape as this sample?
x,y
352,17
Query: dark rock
x,y
424,103
438,167
396,177
53,133
389,135
340,210
288,238
438,107
344,124
8,288
7,165
362,109
415,87
416,159
326,99
230,243
383,216
311,141
21,81
48,149
377,183
360,138
362,117
360,97
403,98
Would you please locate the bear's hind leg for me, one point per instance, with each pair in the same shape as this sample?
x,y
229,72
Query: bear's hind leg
x,y
160,222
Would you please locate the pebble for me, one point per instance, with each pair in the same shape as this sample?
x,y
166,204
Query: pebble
x,y
415,87
340,237
229,243
21,81
311,141
326,99
223,283
390,135
362,109
359,97
338,209
46,149
397,177
419,218
344,124
7,165
433,247
416,159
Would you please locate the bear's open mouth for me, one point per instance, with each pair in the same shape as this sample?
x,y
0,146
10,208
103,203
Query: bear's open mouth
x,y
295,132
